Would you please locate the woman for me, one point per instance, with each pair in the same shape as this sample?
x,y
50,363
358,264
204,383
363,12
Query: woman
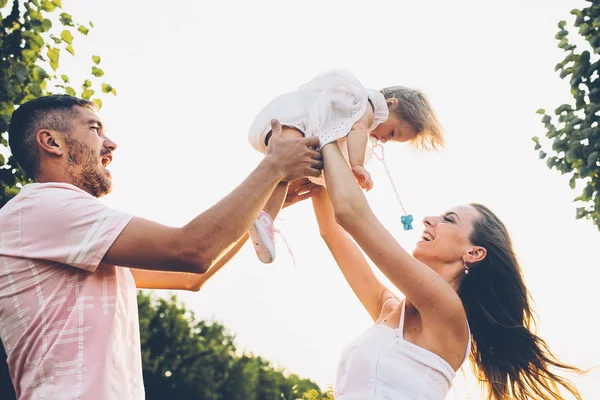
x,y
462,283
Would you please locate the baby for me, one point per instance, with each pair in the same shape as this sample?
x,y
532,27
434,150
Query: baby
x,y
336,107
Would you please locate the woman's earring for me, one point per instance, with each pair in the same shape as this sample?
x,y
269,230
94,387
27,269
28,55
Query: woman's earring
x,y
466,267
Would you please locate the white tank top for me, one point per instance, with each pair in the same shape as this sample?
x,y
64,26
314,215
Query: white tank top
x,y
382,365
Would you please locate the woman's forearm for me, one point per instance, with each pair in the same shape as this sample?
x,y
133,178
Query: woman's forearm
x,y
348,256
347,198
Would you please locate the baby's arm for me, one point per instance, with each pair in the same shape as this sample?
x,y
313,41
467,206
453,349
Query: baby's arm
x,y
358,139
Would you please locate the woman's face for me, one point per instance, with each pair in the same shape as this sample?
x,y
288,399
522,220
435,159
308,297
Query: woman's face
x,y
445,239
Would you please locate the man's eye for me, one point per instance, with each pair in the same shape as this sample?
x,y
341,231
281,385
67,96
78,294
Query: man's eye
x,y
447,219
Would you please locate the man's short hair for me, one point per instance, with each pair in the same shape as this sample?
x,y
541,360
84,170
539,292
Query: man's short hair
x,y
54,112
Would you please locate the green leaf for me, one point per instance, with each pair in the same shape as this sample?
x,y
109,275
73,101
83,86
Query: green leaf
x,y
39,73
563,108
29,55
66,19
53,55
562,24
97,72
585,29
57,3
588,191
537,147
21,72
83,29
98,103
46,25
35,89
106,88
91,24
593,159
96,59
70,91
56,40
572,181
66,36
87,93
559,66
70,49
87,83
542,155
580,213
48,5
65,78
541,111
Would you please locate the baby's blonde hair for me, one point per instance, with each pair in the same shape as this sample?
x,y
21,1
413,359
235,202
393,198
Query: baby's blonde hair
x,y
414,108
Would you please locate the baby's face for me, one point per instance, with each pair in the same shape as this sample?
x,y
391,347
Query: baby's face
x,y
394,129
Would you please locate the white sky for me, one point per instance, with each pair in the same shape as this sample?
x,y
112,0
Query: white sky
x,y
191,76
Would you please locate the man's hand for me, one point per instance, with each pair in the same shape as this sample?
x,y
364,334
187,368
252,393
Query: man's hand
x,y
295,158
300,189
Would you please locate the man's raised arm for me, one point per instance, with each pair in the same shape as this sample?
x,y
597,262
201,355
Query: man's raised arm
x,y
198,245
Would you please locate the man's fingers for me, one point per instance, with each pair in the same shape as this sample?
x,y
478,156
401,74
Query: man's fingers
x,y
276,128
315,154
315,173
312,141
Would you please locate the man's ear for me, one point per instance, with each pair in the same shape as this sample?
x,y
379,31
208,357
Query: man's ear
x,y
50,142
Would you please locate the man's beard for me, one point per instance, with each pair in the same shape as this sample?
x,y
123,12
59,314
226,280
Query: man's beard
x,y
83,167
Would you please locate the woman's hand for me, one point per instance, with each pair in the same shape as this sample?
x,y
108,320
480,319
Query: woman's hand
x,y
300,189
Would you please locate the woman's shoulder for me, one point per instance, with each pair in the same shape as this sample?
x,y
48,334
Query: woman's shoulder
x,y
389,301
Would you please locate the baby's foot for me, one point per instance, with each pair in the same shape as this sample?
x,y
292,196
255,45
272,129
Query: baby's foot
x,y
363,177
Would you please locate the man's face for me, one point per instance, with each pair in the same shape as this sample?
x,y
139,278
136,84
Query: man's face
x,y
89,152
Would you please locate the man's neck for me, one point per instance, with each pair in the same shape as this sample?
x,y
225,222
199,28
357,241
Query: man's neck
x,y
56,178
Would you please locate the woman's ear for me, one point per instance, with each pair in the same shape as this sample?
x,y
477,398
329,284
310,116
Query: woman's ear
x,y
475,255
392,103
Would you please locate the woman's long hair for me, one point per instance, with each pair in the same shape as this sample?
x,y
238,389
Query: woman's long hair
x,y
511,360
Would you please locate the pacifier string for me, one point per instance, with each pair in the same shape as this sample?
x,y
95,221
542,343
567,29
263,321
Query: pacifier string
x,y
407,218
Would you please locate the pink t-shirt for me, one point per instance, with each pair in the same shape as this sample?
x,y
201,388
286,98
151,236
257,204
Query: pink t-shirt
x,y
68,322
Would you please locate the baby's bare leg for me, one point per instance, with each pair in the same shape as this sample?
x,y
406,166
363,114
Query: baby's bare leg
x,y
277,199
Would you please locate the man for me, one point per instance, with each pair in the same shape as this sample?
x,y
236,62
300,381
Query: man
x,y
69,265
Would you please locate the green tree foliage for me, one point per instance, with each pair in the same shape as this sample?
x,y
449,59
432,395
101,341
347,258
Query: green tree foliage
x,y
34,35
574,132
184,358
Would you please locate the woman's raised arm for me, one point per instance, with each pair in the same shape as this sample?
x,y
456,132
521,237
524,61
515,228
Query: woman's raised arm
x,y
358,273
436,300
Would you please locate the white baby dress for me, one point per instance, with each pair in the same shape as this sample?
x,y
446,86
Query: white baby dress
x,y
326,107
